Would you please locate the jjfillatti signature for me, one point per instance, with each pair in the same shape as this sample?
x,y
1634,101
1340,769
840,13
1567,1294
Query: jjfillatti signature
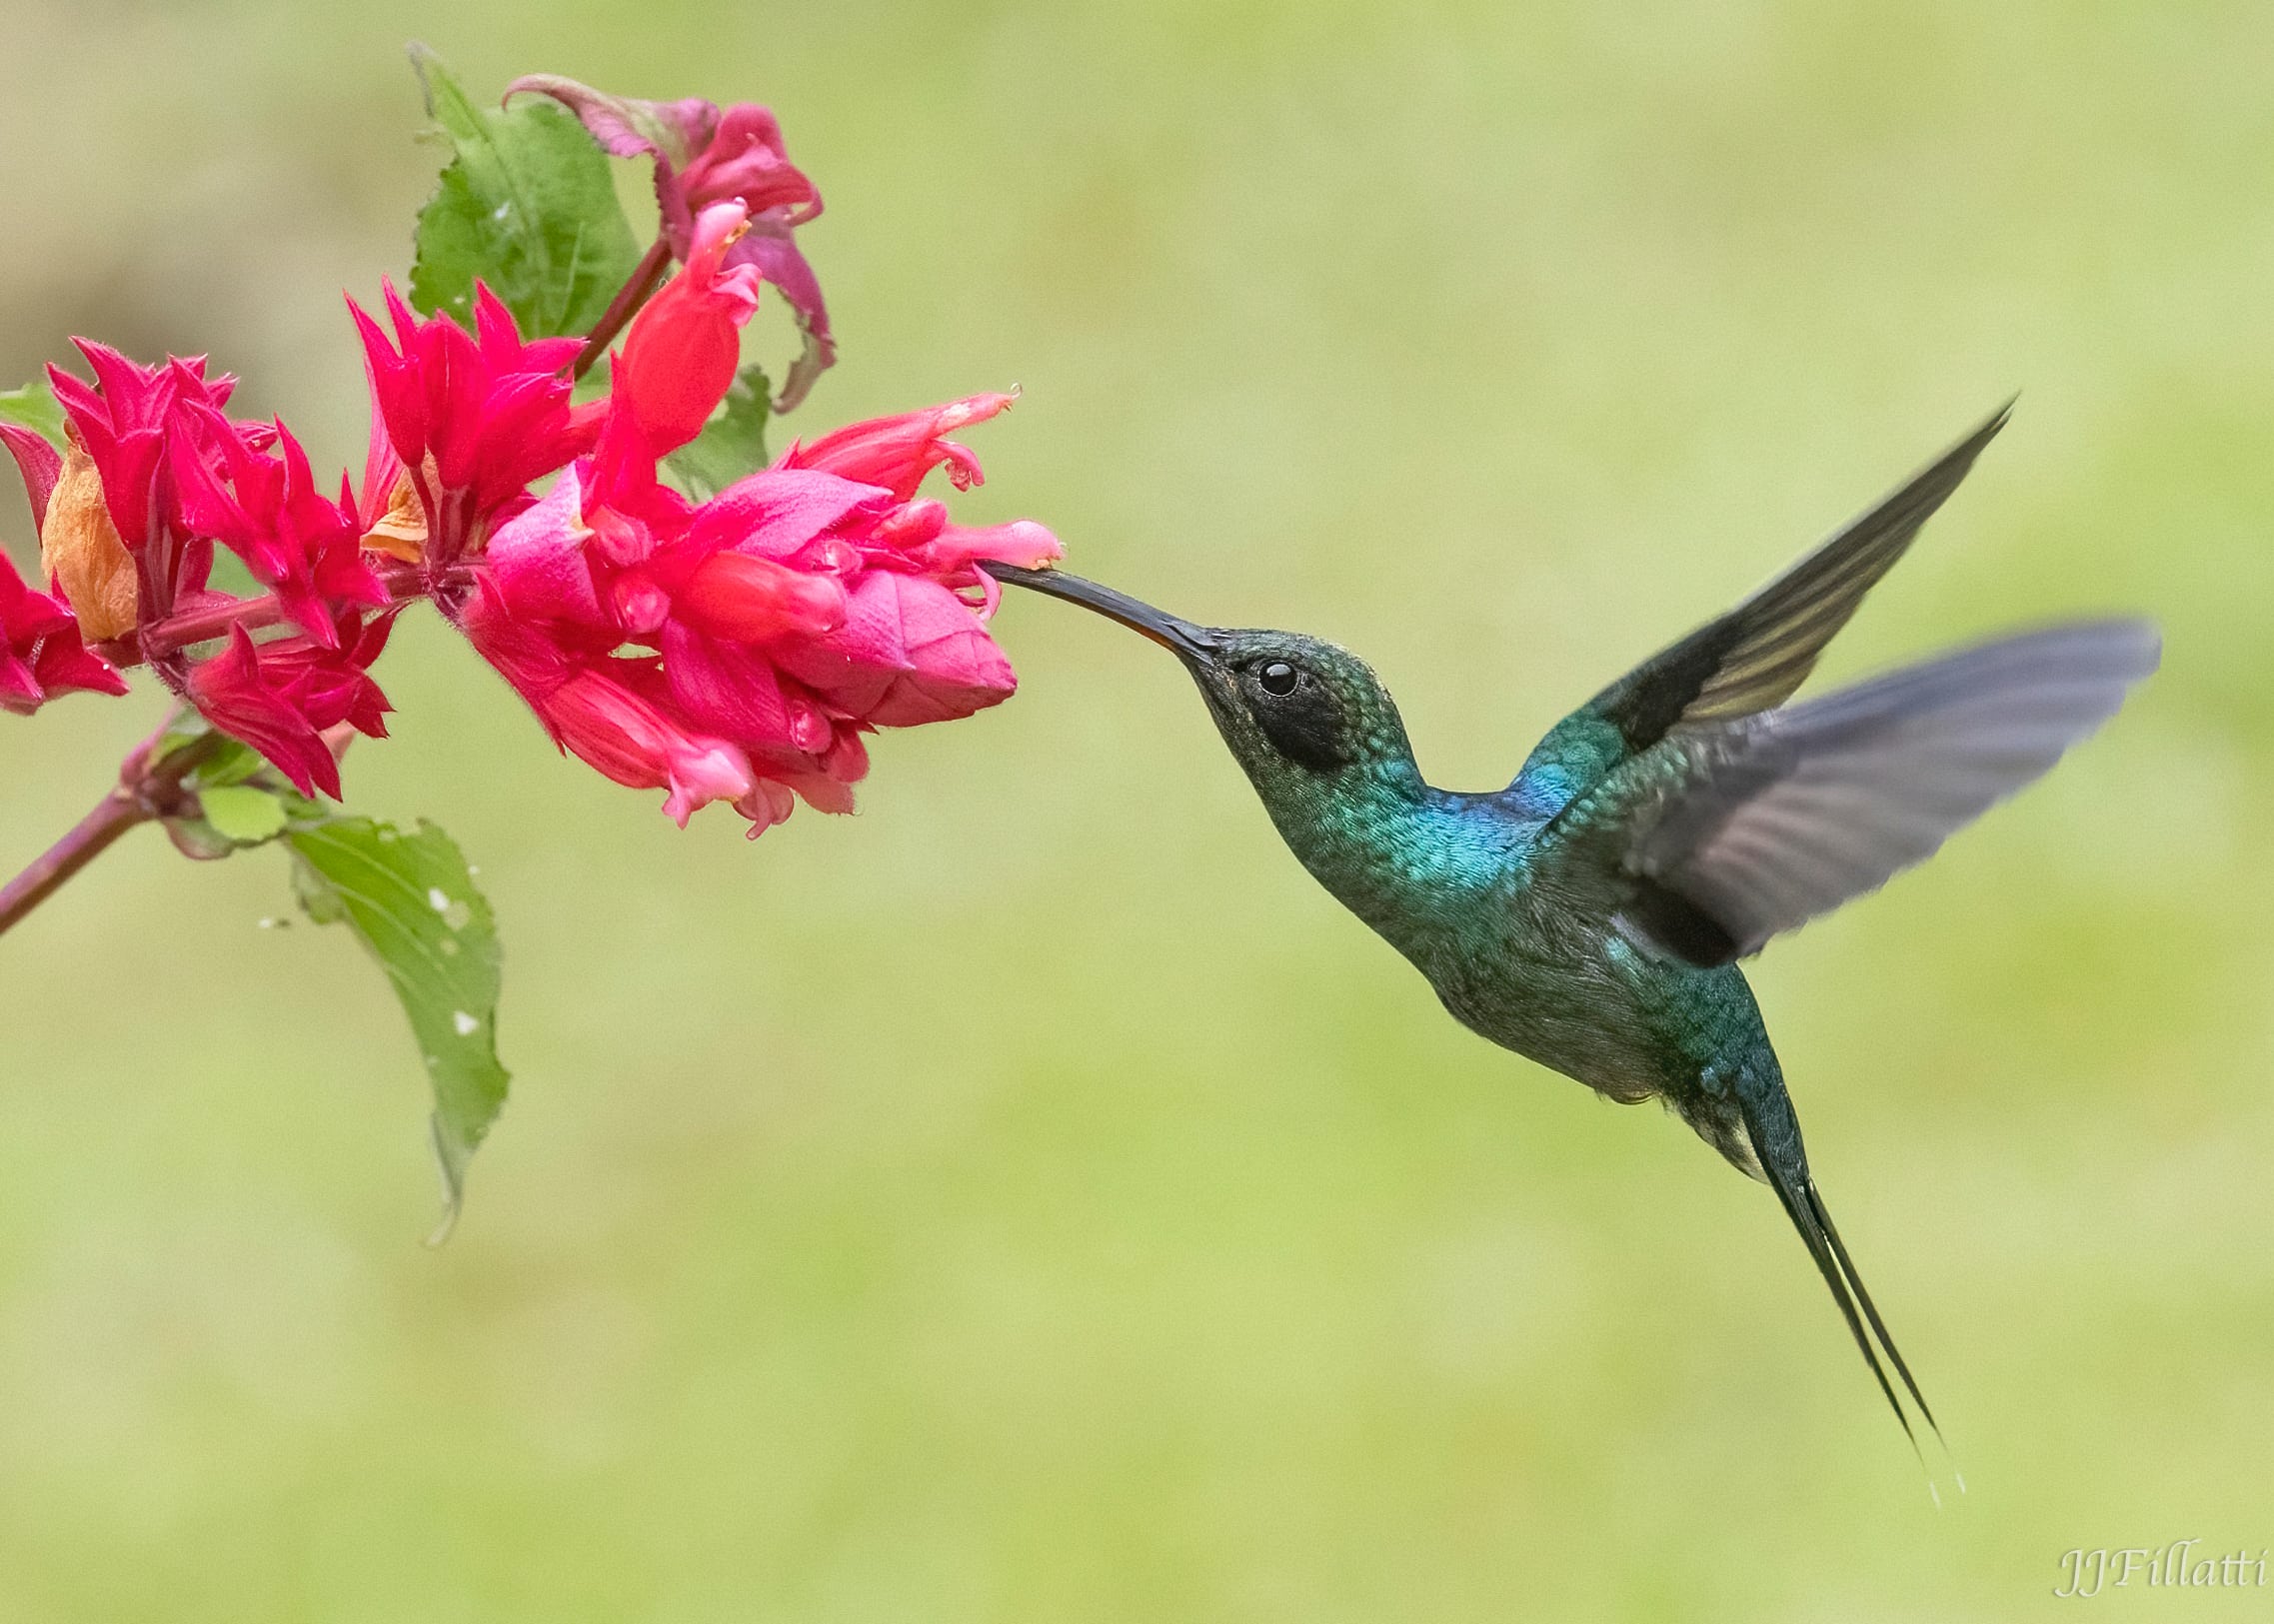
x,y
2089,1572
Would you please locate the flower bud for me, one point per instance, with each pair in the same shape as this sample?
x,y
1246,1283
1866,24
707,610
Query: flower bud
x,y
680,356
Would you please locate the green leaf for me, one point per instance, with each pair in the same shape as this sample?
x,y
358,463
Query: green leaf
x,y
412,902
199,841
223,760
33,407
241,800
244,814
527,205
732,444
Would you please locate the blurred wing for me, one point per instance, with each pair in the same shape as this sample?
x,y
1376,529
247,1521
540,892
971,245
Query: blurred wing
x,y
1734,833
1754,656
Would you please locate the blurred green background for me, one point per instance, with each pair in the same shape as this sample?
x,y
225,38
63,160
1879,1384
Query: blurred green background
x,y
1033,1199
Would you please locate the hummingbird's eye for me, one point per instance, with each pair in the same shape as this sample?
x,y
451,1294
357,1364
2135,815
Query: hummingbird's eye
x,y
1297,709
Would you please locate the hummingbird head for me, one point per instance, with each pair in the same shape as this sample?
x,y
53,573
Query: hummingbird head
x,y
1306,719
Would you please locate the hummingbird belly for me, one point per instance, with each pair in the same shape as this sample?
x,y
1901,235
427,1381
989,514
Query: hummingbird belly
x,y
1599,1011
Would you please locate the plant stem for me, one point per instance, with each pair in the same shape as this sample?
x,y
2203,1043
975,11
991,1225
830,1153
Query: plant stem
x,y
402,580
113,816
148,787
624,305
179,632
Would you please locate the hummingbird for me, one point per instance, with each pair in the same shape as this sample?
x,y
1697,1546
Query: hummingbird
x,y
1590,916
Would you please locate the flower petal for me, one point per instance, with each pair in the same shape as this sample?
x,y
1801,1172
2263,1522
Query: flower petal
x,y
39,464
230,693
909,652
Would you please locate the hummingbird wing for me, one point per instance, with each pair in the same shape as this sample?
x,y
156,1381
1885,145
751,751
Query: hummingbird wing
x,y
1754,658
1725,833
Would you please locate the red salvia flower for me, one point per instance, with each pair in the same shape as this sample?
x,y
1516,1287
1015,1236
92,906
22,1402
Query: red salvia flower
x,y
139,425
896,451
472,417
737,651
680,356
281,697
41,654
37,461
167,474
703,156
306,550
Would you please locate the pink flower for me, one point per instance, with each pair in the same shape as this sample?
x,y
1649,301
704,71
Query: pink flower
x,y
281,697
156,467
126,419
37,461
704,156
896,451
910,651
590,708
597,715
139,425
306,550
680,357
538,571
41,655
232,694
739,650
329,684
747,598
472,417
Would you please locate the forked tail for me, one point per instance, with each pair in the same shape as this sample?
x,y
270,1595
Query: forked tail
x,y
1785,1166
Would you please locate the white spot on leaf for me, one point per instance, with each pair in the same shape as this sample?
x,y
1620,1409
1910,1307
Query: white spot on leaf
x,y
467,1026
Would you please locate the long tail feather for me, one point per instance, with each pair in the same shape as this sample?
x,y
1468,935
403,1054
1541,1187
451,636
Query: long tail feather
x,y
1802,1206
1870,1310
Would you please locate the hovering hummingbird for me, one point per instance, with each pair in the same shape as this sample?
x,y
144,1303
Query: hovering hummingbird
x,y
1590,916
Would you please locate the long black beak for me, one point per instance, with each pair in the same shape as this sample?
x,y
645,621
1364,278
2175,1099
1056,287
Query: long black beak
x,y
1188,643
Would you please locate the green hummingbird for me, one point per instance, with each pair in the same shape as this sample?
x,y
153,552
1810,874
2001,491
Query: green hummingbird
x,y
1590,916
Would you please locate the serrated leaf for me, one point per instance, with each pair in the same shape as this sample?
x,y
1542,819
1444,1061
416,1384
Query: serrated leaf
x,y
733,444
527,205
34,407
411,900
243,813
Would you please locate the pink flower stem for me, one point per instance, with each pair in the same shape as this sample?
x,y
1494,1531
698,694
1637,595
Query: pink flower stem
x,y
624,305
149,787
181,631
403,582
